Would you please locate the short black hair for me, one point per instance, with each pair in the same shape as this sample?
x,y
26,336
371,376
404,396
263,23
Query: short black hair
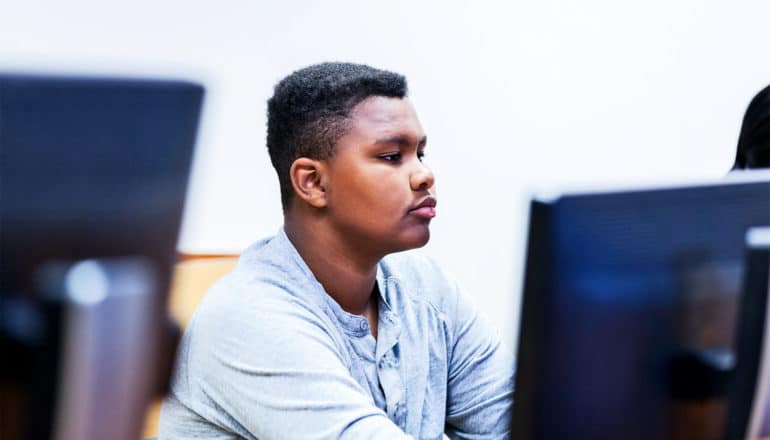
x,y
310,111
754,141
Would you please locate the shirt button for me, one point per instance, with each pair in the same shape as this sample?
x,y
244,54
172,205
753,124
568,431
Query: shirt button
x,y
364,325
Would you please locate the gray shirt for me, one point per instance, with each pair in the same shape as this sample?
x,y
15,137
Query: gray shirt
x,y
270,355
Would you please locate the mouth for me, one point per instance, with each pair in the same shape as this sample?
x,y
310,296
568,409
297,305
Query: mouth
x,y
425,209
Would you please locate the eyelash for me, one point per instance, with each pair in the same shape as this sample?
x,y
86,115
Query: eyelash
x,y
396,157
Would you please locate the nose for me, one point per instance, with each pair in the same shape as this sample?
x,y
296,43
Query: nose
x,y
421,178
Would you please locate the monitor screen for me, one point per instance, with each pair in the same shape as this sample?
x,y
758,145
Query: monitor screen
x,y
629,310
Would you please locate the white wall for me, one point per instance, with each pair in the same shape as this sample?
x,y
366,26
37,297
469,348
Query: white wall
x,y
513,95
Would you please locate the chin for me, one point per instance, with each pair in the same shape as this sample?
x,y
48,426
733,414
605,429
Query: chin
x,y
414,240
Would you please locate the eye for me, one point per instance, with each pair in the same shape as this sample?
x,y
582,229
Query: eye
x,y
421,155
391,157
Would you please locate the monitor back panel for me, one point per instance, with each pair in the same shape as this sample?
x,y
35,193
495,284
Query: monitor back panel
x,y
619,285
91,167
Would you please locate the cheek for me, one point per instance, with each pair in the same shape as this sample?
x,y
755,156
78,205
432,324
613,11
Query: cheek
x,y
389,194
375,199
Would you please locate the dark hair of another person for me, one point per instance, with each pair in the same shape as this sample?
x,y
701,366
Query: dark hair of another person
x,y
310,110
754,141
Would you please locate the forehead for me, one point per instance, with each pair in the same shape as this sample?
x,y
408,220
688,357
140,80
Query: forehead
x,y
379,116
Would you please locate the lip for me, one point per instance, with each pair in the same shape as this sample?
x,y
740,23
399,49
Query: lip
x,y
425,209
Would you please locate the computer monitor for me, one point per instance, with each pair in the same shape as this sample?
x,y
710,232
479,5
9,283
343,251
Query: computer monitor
x,y
629,308
93,177
748,394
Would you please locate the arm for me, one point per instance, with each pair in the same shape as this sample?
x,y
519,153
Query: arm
x,y
480,383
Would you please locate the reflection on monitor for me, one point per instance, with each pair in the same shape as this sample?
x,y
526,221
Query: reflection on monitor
x,y
629,310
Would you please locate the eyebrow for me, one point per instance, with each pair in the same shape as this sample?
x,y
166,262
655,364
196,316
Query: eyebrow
x,y
402,141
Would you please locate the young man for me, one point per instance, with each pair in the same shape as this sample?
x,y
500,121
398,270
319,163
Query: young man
x,y
316,333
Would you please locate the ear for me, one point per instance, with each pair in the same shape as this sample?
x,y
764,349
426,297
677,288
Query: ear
x,y
308,179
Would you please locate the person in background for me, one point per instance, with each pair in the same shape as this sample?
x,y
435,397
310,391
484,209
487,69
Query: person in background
x,y
754,141
328,329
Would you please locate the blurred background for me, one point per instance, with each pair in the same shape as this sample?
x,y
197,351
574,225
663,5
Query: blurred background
x,y
514,96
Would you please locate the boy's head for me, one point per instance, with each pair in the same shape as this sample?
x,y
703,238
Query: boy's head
x,y
311,109
348,149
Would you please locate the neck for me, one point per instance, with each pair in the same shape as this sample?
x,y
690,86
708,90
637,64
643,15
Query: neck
x,y
347,276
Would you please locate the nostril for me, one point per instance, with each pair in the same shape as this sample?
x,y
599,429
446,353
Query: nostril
x,y
422,179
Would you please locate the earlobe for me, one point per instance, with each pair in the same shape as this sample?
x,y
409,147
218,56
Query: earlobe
x,y
307,178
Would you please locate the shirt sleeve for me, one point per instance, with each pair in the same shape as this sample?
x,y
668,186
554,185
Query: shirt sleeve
x,y
480,379
275,372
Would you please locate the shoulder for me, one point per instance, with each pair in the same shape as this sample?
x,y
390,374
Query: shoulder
x,y
267,281
412,265
261,303
420,277
244,307
251,326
